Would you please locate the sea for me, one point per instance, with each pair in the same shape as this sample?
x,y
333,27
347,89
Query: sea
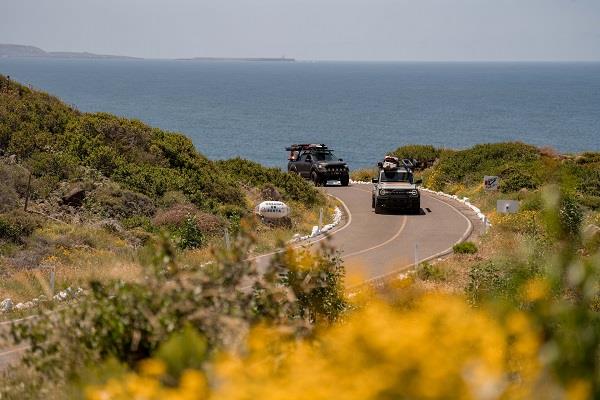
x,y
361,109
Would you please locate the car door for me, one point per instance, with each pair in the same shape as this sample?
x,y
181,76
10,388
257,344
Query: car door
x,y
305,164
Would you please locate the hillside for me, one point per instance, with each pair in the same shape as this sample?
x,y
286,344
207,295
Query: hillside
x,y
106,185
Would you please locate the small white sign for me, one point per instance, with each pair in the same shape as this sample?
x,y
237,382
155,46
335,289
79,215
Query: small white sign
x,y
491,182
507,206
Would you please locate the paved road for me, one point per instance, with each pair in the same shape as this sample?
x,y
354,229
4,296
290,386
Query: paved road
x,y
376,246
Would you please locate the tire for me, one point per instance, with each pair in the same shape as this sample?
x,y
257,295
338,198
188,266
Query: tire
x,y
345,180
378,209
315,178
373,202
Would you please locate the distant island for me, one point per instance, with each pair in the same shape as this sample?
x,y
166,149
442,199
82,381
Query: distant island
x,y
19,50
237,59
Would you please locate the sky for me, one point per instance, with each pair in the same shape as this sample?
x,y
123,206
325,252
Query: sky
x,y
369,30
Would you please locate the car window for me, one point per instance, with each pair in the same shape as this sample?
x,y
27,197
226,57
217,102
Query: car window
x,y
322,156
395,176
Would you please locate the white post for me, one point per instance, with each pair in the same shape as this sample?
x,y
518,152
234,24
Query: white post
x,y
416,255
52,279
320,219
227,240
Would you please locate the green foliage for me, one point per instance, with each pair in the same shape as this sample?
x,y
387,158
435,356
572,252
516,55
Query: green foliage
x,y
424,154
470,165
363,175
570,215
183,350
16,226
318,283
513,179
129,321
465,248
188,235
291,186
431,272
111,201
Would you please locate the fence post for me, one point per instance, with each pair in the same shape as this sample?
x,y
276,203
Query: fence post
x,y
416,255
320,219
227,240
52,279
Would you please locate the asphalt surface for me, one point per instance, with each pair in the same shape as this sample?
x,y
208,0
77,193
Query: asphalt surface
x,y
375,246
379,246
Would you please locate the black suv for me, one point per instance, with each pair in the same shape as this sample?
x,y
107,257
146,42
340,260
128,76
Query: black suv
x,y
318,163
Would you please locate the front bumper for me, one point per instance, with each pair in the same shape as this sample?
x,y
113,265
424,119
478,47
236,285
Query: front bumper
x,y
398,202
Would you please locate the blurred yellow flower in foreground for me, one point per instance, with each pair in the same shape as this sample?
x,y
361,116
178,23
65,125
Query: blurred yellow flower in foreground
x,y
439,348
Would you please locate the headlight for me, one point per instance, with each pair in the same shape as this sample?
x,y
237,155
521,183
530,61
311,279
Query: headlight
x,y
383,192
414,192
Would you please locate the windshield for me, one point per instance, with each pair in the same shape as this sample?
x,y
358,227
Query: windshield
x,y
322,156
395,176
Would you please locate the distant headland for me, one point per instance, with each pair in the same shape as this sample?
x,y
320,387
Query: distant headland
x,y
19,50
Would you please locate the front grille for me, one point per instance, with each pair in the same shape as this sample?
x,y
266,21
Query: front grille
x,y
335,169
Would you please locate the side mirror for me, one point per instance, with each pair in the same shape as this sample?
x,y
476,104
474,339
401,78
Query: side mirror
x,y
374,180
419,182
340,159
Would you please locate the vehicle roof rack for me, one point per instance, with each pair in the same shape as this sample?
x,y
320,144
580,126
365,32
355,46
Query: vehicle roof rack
x,y
392,162
307,146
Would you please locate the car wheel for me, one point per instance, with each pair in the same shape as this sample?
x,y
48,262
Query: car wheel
x,y
378,209
372,202
345,180
315,178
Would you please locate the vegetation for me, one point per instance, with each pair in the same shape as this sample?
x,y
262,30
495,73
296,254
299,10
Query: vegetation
x,y
122,178
465,248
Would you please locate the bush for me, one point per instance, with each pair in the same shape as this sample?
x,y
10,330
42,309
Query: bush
x,y
514,179
430,272
465,248
16,226
291,186
424,154
363,175
470,165
570,216
188,235
179,214
111,201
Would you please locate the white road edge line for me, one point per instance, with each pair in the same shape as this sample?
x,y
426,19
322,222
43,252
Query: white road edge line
x,y
413,265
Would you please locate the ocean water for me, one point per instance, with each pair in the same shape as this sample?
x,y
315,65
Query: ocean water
x,y
363,110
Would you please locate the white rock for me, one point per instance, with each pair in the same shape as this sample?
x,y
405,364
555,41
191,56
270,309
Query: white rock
x,y
6,305
20,306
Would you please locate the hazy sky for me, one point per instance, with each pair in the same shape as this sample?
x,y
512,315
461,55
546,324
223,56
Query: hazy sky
x,y
311,29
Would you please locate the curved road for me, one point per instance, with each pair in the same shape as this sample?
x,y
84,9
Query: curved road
x,y
377,246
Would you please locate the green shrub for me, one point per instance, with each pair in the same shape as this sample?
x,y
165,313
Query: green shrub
x,y
430,272
424,154
470,165
189,235
16,226
363,175
570,216
291,186
111,201
514,179
465,248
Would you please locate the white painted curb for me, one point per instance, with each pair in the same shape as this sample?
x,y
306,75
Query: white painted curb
x,y
337,218
464,200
